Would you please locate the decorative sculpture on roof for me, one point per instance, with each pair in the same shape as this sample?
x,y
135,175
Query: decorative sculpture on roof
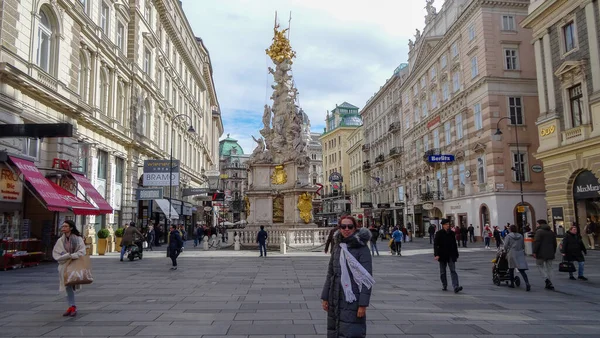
x,y
417,35
411,44
431,11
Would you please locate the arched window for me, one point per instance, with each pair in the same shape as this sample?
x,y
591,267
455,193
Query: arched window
x,y
104,90
120,103
45,43
84,75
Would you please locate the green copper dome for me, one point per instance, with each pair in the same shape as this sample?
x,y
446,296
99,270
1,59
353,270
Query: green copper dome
x,y
229,146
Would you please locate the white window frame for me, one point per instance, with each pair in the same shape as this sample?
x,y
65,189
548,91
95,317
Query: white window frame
x,y
148,12
455,81
458,121
471,31
515,107
448,133
450,178
445,91
120,35
454,49
44,53
508,22
563,37
444,61
104,17
426,142
424,109
417,114
511,58
432,73
29,145
436,138
147,61
524,165
407,123
462,178
481,169
477,116
416,90
423,82
474,67
434,102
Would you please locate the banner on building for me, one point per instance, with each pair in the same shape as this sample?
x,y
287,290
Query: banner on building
x,y
157,173
148,194
11,188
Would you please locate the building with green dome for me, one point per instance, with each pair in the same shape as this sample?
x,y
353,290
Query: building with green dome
x,y
234,181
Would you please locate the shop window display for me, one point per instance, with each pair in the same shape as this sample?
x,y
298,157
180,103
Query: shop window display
x,y
16,248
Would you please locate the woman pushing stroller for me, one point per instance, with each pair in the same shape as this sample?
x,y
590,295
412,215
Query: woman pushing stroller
x,y
514,245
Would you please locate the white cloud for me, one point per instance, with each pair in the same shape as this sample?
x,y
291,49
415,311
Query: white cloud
x,y
345,52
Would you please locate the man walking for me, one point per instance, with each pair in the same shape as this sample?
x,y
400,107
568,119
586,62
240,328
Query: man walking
x,y
590,231
129,238
544,249
175,245
463,235
374,235
261,239
471,233
397,235
431,231
445,252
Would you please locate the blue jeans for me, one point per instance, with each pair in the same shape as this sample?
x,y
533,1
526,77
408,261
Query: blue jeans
x,y
487,241
70,295
453,274
374,248
123,248
262,247
580,269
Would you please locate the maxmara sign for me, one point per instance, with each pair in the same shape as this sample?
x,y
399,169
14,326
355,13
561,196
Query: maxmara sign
x,y
586,185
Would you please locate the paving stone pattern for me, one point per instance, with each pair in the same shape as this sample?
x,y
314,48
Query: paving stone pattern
x,y
237,294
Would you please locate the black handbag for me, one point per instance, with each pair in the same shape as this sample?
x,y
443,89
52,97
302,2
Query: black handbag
x,y
566,267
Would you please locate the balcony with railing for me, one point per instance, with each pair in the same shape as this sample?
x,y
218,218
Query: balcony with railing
x,y
394,127
379,159
395,152
430,152
576,134
366,147
366,166
432,196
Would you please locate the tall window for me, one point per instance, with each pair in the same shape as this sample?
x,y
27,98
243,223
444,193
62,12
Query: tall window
x,y
434,102
459,126
454,49
426,142
455,82
45,41
104,15
147,61
121,36
471,30
167,87
515,109
148,123
474,68
569,36
102,164
424,109
445,91
148,12
415,90
450,179
120,103
510,59
477,116
481,179
84,74
104,91
30,147
417,114
508,23
519,165
436,138
575,98
432,73
120,169
407,123
447,133
423,82
461,175
443,61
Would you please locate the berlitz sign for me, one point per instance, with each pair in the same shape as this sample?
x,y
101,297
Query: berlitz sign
x,y
441,158
586,185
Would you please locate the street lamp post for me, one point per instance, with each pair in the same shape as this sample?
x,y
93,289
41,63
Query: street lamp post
x,y
517,170
190,130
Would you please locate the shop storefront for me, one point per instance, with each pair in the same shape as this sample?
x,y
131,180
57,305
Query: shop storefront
x,y
586,199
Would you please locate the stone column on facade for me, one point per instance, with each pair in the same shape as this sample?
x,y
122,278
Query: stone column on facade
x,y
549,74
95,69
130,184
539,70
592,32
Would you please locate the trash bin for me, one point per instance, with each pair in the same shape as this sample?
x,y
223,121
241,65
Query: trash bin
x,y
529,243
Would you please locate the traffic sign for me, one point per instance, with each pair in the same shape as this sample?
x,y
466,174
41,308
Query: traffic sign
x,y
520,208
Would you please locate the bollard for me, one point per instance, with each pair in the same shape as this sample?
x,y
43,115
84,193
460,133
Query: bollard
x,y
205,243
282,246
236,241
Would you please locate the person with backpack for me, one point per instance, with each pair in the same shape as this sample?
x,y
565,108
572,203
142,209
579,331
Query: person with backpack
x,y
573,250
397,236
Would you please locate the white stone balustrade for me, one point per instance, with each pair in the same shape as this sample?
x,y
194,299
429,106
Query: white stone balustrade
x,y
294,238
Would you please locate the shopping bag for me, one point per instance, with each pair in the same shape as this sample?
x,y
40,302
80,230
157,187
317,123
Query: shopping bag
x,y
145,245
566,267
79,271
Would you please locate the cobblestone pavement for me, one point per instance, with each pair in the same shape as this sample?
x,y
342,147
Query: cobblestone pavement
x,y
237,294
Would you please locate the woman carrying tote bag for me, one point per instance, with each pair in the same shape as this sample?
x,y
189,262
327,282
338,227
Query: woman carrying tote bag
x,y
70,246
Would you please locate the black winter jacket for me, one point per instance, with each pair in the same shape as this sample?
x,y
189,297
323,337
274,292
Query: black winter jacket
x,y
341,317
573,248
444,246
544,243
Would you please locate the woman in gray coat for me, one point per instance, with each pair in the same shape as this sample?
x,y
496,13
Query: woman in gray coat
x,y
347,289
514,245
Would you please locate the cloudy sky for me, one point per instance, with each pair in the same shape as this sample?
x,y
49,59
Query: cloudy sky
x,y
345,50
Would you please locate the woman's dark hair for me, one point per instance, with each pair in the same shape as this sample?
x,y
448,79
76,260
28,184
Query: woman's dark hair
x,y
513,228
71,224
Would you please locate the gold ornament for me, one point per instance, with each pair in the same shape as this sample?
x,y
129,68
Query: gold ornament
x,y
280,49
279,176
305,206
247,201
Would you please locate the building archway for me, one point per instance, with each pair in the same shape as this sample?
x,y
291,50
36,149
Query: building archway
x,y
529,212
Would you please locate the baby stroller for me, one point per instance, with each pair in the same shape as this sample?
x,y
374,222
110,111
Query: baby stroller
x,y
500,269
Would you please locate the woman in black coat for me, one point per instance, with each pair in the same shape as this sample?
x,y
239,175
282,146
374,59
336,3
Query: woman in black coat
x,y
346,307
175,245
573,250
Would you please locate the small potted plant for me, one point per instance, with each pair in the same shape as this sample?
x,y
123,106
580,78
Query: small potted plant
x,y
118,237
102,241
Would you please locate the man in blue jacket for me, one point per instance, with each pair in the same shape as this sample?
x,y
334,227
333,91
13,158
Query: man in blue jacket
x,y
397,235
261,239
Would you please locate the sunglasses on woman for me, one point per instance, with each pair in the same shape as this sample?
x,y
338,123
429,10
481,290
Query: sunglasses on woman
x,y
347,226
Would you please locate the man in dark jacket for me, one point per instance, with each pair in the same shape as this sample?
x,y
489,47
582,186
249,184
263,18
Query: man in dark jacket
x,y
431,231
130,236
464,233
175,245
261,239
497,237
445,252
329,241
374,235
573,250
544,249
471,233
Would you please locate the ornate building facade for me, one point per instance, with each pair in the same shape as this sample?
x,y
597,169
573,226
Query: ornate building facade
x,y
129,76
233,182
567,55
357,178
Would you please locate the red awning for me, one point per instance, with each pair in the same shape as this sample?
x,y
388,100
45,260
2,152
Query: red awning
x,y
43,187
93,194
79,206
